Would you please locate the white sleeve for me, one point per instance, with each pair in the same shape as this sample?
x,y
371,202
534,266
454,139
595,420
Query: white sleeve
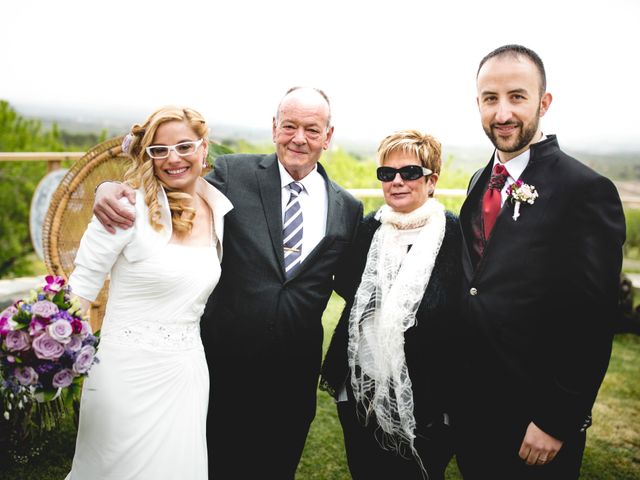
x,y
98,251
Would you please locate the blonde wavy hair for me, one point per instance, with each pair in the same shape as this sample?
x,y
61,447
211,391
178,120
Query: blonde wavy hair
x,y
141,173
412,142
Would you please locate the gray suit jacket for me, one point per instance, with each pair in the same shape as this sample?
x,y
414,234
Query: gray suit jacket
x,y
256,317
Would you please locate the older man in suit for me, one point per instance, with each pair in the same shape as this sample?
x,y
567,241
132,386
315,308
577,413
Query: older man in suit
x,y
262,331
542,254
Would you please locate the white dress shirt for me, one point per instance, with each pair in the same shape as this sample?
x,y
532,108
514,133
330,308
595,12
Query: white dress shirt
x,y
515,167
313,203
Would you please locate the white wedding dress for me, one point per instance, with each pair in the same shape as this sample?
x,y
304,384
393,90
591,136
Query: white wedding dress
x,y
144,405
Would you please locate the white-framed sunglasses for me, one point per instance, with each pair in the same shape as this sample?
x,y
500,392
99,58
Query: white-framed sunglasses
x,y
182,149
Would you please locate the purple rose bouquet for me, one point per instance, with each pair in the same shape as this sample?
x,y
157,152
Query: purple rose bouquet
x,y
46,349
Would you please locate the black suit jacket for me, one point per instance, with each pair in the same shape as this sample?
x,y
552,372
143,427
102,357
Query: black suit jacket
x,y
427,344
539,306
257,322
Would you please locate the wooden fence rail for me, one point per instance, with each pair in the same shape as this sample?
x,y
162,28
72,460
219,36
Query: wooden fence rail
x,y
53,159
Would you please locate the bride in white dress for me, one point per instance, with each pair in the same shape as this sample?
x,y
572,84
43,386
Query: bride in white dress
x,y
144,406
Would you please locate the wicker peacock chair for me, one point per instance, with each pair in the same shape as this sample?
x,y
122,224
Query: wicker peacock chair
x,y
71,209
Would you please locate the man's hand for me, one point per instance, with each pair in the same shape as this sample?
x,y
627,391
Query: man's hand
x,y
109,211
538,447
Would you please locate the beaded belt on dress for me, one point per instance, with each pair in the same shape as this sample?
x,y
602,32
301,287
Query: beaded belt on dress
x,y
162,336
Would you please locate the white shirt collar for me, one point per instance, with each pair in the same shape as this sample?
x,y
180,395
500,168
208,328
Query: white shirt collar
x,y
516,165
311,182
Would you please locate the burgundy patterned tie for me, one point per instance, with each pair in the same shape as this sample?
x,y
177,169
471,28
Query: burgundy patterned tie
x,y
491,202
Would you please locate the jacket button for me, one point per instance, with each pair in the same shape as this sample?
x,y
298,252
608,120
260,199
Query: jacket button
x,y
473,291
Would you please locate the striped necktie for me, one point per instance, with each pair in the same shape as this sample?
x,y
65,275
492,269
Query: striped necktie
x,y
292,231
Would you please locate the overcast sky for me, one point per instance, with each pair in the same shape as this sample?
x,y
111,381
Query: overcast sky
x,y
385,65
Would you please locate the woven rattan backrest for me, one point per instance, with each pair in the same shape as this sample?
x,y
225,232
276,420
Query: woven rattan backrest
x,y
71,209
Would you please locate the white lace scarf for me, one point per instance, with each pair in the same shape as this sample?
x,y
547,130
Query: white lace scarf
x,y
393,284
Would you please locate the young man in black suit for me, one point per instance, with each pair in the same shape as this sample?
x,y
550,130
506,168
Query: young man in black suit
x,y
542,253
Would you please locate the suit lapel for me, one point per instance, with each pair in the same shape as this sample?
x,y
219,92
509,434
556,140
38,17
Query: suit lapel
x,y
534,174
270,187
476,189
537,174
334,204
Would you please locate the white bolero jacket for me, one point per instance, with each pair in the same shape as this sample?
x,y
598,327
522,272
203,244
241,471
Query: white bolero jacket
x,y
100,249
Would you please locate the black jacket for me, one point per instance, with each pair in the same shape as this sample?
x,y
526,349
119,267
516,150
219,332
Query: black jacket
x,y
427,344
537,309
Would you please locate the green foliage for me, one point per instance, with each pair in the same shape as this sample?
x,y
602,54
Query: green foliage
x,y
349,172
18,181
632,244
215,150
614,165
21,135
242,146
80,140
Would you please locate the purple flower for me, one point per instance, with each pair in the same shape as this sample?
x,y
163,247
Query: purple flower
x,y
5,317
63,315
36,326
44,308
126,143
9,312
77,325
17,341
5,326
86,328
75,344
84,360
26,375
46,348
54,283
60,330
90,340
45,367
63,378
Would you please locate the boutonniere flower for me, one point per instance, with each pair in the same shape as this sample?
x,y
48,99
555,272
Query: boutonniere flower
x,y
519,192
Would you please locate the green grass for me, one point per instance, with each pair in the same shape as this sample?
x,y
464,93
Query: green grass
x,y
613,443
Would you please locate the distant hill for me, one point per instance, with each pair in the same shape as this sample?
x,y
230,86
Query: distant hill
x,y
621,164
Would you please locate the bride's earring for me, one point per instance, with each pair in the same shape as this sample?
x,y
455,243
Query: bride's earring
x,y
204,162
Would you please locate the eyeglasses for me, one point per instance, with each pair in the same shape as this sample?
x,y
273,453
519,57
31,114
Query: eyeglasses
x,y
408,172
182,149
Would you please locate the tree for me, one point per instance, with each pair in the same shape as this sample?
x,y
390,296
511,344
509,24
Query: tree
x,y
18,181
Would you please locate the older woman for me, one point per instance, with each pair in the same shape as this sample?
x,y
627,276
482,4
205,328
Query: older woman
x,y
387,362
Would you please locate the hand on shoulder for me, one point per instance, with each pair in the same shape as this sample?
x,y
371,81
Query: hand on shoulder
x,y
112,205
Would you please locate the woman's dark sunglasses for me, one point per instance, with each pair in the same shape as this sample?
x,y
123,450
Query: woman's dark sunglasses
x,y
409,172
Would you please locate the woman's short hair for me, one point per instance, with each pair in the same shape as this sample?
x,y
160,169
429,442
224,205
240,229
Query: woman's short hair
x,y
412,142
141,173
